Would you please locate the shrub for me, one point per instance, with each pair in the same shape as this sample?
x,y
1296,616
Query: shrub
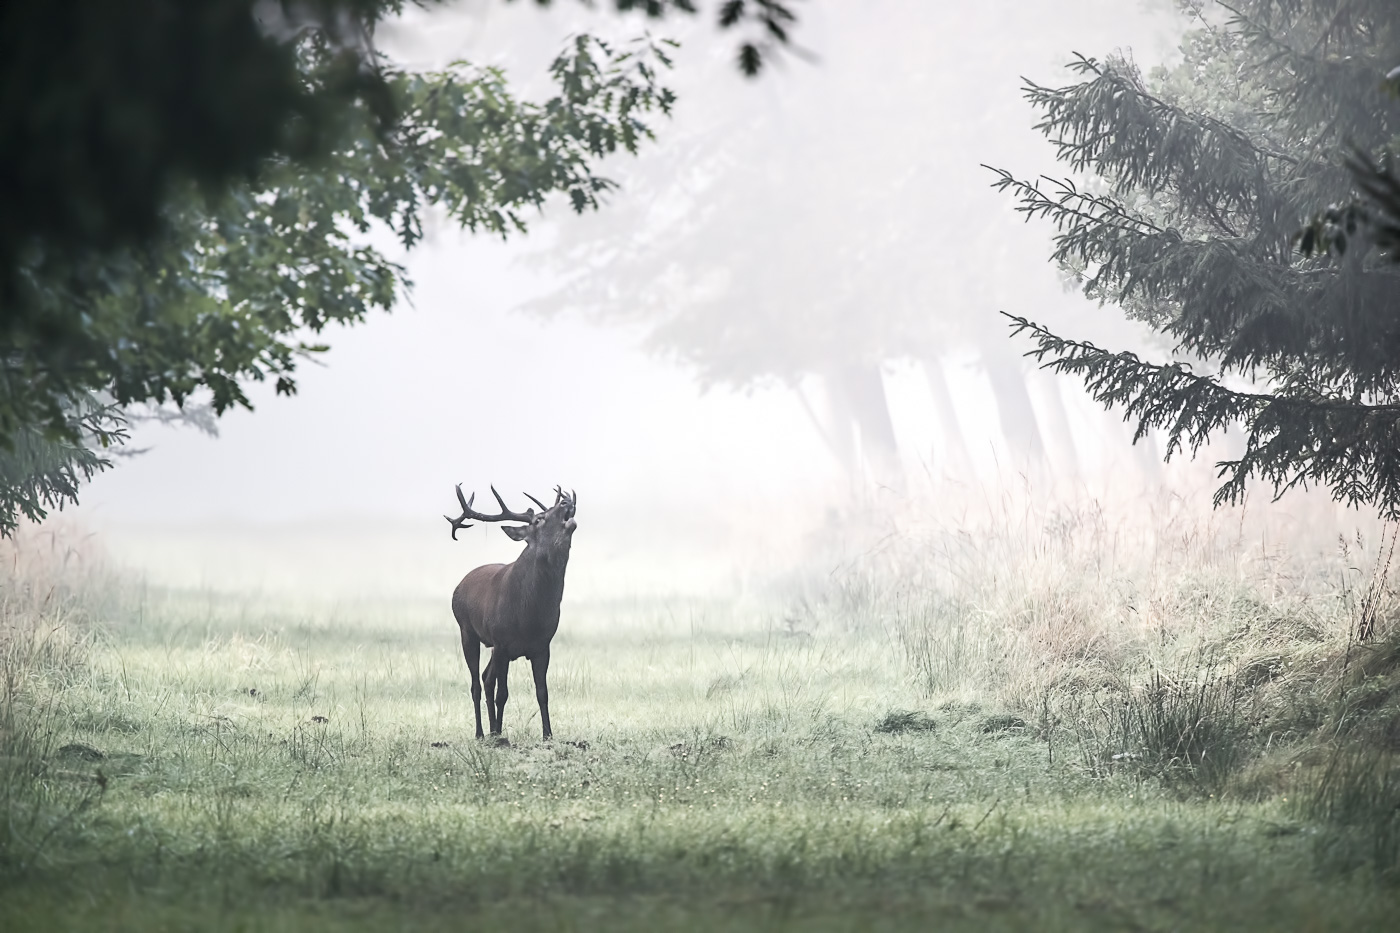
x,y
1186,730
897,721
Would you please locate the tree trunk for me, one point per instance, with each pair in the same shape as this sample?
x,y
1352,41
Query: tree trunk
x,y
952,456
1017,415
832,418
861,388
1059,436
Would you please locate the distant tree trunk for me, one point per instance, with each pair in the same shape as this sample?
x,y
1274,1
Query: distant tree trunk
x,y
1149,457
1145,455
952,456
832,418
861,388
1058,436
1017,415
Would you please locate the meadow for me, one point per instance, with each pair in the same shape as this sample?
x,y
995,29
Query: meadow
x,y
1051,721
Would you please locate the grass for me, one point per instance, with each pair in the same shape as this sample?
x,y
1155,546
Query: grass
x,y
889,749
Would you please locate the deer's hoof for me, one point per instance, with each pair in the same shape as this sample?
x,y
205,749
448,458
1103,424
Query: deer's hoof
x,y
500,741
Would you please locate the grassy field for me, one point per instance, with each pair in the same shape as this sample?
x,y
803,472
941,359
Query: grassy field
x,y
1189,742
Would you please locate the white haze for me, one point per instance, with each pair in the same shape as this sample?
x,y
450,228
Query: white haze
x,y
340,489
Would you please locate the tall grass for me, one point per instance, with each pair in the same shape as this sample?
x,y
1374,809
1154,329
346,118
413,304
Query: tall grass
x,y
51,590
1356,802
1353,786
54,592
1186,730
1170,643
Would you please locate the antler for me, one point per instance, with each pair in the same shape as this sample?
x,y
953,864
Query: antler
x,y
469,513
570,499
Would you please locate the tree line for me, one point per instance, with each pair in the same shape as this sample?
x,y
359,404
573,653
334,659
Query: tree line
x,y
193,184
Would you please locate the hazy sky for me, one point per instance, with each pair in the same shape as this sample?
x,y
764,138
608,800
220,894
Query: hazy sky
x,y
342,486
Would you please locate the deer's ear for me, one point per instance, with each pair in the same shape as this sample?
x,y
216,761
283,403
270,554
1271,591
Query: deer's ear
x,y
515,532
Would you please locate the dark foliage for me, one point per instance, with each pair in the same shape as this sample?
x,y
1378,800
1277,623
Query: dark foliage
x,y
898,721
1374,216
221,294
188,183
229,278
1373,219
769,23
109,105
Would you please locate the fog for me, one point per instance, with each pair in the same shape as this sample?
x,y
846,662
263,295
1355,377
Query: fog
x,y
704,360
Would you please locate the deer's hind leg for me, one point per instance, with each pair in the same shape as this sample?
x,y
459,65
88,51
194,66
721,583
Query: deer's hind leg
x,y
497,670
471,649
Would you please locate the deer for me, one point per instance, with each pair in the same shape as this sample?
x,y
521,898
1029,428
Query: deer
x,y
513,609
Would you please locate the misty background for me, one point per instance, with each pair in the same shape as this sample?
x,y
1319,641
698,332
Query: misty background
x,y
786,317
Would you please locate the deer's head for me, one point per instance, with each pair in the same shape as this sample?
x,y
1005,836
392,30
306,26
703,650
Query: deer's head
x,y
551,528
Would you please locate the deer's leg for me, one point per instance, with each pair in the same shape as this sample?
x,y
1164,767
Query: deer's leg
x,y
471,648
493,715
539,665
502,665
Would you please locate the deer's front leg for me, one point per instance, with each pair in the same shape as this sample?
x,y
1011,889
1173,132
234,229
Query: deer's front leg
x,y
539,665
501,663
488,678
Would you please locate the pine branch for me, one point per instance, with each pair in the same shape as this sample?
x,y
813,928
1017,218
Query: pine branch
x,y
1252,310
1293,440
1312,90
1113,126
1070,204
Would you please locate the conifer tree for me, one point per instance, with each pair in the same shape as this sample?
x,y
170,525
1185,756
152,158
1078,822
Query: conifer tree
x,y
1191,185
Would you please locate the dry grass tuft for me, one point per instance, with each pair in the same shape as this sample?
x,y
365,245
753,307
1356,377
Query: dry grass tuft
x,y
1205,651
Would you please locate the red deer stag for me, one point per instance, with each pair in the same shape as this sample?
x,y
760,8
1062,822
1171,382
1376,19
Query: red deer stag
x,y
513,609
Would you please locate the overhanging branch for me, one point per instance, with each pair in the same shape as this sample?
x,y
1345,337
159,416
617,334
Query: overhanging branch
x,y
1292,439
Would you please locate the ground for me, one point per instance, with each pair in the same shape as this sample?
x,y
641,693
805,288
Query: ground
x,y
202,762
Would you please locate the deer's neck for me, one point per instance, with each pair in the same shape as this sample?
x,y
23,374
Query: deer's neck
x,y
541,574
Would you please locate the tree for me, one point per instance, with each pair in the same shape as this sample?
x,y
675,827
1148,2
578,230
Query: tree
x,y
1374,216
768,23
233,280
191,189
1198,178
116,103
788,241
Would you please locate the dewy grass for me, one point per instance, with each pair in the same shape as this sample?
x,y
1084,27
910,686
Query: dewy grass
x,y
1184,729
205,761
1356,801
